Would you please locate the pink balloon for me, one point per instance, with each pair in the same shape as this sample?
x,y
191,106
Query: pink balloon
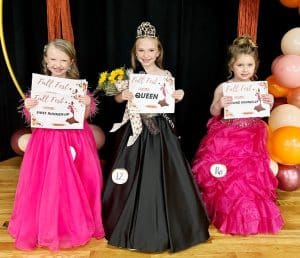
x,y
98,135
275,61
287,71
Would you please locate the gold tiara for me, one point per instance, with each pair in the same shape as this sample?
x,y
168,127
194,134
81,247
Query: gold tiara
x,y
146,30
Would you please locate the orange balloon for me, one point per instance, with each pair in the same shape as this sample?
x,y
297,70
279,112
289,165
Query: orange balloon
x,y
275,88
290,3
284,145
293,97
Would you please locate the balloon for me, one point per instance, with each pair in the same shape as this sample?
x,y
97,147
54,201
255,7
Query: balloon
x,y
284,115
290,43
287,71
19,140
288,177
274,167
293,97
275,89
275,61
284,145
98,135
290,3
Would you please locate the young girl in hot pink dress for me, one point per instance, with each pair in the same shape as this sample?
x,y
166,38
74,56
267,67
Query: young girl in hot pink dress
x,y
58,197
241,197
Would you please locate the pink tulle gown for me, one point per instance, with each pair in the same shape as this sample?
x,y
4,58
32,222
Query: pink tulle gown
x,y
58,197
240,199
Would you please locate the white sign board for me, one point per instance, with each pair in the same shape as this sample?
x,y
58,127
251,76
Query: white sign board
x,y
58,106
152,93
246,99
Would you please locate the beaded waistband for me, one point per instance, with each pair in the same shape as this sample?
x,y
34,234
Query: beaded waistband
x,y
240,122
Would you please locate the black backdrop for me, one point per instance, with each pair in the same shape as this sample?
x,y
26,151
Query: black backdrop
x,y
195,35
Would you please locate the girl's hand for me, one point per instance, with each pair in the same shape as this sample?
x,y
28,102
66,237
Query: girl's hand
x,y
86,100
268,99
178,95
127,95
30,103
225,101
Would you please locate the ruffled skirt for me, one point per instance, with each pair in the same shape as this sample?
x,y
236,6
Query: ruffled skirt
x,y
232,169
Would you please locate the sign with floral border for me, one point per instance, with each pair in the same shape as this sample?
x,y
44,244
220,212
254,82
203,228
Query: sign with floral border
x,y
152,93
246,99
58,106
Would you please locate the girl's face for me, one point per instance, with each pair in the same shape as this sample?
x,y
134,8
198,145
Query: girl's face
x,y
243,68
58,62
147,51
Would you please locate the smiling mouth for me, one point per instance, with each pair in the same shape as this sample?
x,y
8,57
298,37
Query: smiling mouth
x,y
57,70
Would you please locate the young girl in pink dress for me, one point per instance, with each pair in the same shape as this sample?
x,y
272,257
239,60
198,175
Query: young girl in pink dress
x,y
241,197
58,197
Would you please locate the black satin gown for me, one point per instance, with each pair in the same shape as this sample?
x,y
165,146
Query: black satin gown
x,y
159,207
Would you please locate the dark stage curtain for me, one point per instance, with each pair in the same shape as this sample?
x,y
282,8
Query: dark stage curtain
x,y
195,35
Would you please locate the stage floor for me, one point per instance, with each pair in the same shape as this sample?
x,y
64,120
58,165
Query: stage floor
x,y
284,244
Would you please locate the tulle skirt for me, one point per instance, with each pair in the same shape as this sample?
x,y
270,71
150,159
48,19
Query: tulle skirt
x,y
58,197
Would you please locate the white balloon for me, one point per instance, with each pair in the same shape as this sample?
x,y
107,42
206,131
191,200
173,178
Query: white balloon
x,y
284,115
23,141
290,42
274,167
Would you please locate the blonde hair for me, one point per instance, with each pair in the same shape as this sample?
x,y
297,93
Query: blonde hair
x,y
159,60
243,45
66,47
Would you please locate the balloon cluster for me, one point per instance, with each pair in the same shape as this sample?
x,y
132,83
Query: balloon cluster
x,y
284,120
20,139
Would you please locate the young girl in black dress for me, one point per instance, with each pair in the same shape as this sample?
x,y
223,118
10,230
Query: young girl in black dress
x,y
150,201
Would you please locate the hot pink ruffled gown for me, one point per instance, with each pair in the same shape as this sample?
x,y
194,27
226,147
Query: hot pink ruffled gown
x,y
58,197
243,199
